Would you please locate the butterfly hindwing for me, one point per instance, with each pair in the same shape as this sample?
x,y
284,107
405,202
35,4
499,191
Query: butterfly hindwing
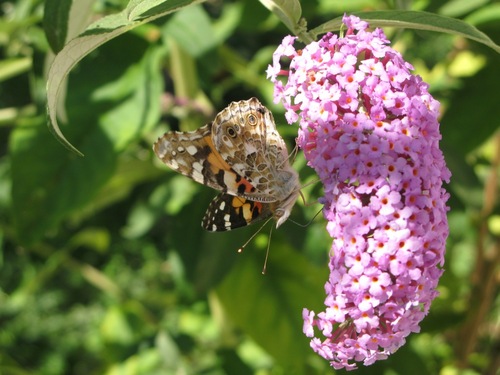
x,y
227,212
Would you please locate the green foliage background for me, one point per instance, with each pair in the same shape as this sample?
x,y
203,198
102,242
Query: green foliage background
x,y
104,268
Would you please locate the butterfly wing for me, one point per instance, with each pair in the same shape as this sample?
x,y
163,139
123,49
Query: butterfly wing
x,y
228,212
245,136
242,154
194,155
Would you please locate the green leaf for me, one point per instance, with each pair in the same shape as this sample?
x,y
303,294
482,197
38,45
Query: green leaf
x,y
288,11
46,184
479,91
192,30
457,8
269,307
151,9
100,32
97,239
485,15
15,66
137,92
120,105
129,173
115,328
414,20
228,21
55,22
64,19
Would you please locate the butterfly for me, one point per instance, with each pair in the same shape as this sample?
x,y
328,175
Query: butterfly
x,y
241,154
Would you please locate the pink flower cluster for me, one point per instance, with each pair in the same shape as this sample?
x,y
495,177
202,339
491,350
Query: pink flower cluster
x,y
370,130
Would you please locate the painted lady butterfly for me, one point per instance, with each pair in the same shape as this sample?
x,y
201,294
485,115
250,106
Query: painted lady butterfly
x,y
242,154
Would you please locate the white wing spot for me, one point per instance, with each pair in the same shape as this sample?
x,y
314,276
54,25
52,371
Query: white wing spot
x,y
192,150
197,166
173,163
161,149
197,176
197,172
222,205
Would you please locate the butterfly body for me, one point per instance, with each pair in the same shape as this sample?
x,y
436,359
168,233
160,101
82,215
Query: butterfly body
x,y
241,154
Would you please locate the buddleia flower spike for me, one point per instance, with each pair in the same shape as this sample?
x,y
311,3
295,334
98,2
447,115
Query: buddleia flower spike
x,y
370,130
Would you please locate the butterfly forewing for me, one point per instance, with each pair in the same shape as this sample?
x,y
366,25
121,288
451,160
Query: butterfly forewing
x,y
193,155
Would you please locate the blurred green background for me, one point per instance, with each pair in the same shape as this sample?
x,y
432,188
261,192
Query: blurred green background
x,y
104,268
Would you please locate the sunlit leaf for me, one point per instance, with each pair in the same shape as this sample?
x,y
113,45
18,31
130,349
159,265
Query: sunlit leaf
x,y
106,114
103,30
458,8
55,22
288,11
115,328
192,30
414,20
64,19
12,67
485,15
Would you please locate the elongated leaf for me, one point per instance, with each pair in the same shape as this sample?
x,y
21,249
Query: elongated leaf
x,y
484,15
458,8
105,29
55,22
65,19
108,108
14,66
288,11
414,20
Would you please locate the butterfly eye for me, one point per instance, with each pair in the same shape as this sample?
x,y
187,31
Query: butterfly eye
x,y
252,119
232,131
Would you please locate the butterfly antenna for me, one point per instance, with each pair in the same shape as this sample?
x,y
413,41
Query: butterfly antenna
x,y
307,204
309,222
267,251
315,181
253,236
294,153
303,198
